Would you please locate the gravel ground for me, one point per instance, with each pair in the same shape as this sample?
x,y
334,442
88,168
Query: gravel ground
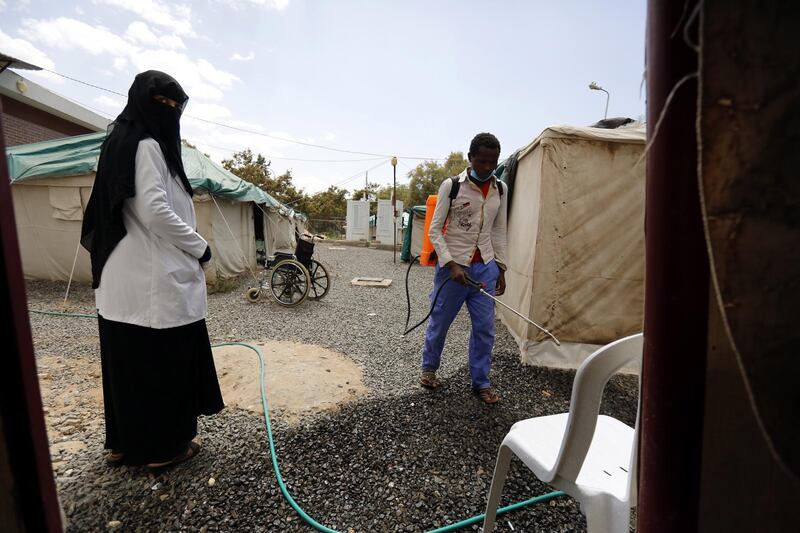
x,y
402,459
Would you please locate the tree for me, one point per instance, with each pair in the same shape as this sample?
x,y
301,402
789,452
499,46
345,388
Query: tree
x,y
286,193
367,193
428,175
370,192
253,169
256,169
403,193
329,204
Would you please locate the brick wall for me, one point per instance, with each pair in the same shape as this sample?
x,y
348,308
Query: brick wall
x,y
23,124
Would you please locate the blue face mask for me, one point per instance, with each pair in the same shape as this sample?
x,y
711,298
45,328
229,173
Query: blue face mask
x,y
474,175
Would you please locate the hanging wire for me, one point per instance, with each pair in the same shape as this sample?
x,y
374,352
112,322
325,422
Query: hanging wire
x,y
250,131
209,145
354,176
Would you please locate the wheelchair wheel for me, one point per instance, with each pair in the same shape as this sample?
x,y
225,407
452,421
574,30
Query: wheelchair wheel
x,y
320,280
289,283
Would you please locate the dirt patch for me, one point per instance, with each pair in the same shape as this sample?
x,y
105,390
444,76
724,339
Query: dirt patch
x,y
301,378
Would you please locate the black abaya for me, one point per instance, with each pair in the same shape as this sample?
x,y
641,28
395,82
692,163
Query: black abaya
x,y
156,382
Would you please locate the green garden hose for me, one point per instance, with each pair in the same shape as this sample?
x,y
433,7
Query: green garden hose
x,y
274,456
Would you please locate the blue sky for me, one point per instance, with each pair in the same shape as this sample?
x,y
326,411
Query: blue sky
x,y
412,78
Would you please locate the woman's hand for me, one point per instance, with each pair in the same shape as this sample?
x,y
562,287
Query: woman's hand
x,y
206,256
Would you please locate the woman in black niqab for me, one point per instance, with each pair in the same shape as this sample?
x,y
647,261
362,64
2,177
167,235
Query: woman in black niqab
x,y
158,367
155,104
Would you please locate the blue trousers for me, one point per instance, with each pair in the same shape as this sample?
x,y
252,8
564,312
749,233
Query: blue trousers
x,y
481,312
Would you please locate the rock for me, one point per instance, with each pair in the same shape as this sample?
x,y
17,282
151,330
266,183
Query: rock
x,y
114,524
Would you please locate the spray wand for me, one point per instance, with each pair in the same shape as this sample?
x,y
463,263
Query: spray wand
x,y
471,283
480,287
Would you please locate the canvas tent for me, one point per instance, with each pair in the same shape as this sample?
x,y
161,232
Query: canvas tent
x,y
51,184
575,241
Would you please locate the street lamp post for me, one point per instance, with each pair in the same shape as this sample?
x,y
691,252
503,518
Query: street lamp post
x,y
593,86
394,209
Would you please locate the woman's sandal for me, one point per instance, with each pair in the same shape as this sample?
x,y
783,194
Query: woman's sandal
x,y
488,395
190,453
115,458
429,380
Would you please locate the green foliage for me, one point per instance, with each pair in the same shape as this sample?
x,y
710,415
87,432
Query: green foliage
x,y
256,169
403,193
332,203
286,193
428,175
328,204
367,193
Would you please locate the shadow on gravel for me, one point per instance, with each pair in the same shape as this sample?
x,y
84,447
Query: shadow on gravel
x,y
406,463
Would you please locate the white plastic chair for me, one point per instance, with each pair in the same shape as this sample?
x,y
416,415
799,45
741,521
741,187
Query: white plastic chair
x,y
592,458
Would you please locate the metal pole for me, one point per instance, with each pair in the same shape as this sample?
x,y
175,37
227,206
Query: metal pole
x,y
394,209
676,286
608,97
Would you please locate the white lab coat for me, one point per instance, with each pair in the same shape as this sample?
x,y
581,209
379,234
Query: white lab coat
x,y
153,277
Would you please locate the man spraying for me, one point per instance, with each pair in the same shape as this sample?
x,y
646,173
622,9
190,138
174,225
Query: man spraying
x,y
468,233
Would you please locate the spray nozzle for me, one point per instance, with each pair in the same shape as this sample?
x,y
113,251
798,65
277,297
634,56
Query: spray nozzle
x,y
474,284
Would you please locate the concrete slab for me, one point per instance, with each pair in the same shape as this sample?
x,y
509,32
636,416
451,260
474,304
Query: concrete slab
x,y
380,283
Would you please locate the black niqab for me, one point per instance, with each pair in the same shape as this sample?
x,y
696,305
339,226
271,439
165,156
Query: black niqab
x,y
142,117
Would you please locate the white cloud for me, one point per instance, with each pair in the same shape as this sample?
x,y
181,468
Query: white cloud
x,y
172,41
2,5
199,77
66,33
214,75
214,112
25,51
239,57
278,5
139,32
246,125
22,49
120,63
175,17
111,104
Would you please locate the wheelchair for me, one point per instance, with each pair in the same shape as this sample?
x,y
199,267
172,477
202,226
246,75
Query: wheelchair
x,y
293,278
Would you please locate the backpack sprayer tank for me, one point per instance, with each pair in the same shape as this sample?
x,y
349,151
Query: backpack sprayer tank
x,y
427,256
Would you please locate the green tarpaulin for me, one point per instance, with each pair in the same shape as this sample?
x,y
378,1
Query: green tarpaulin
x,y
76,156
